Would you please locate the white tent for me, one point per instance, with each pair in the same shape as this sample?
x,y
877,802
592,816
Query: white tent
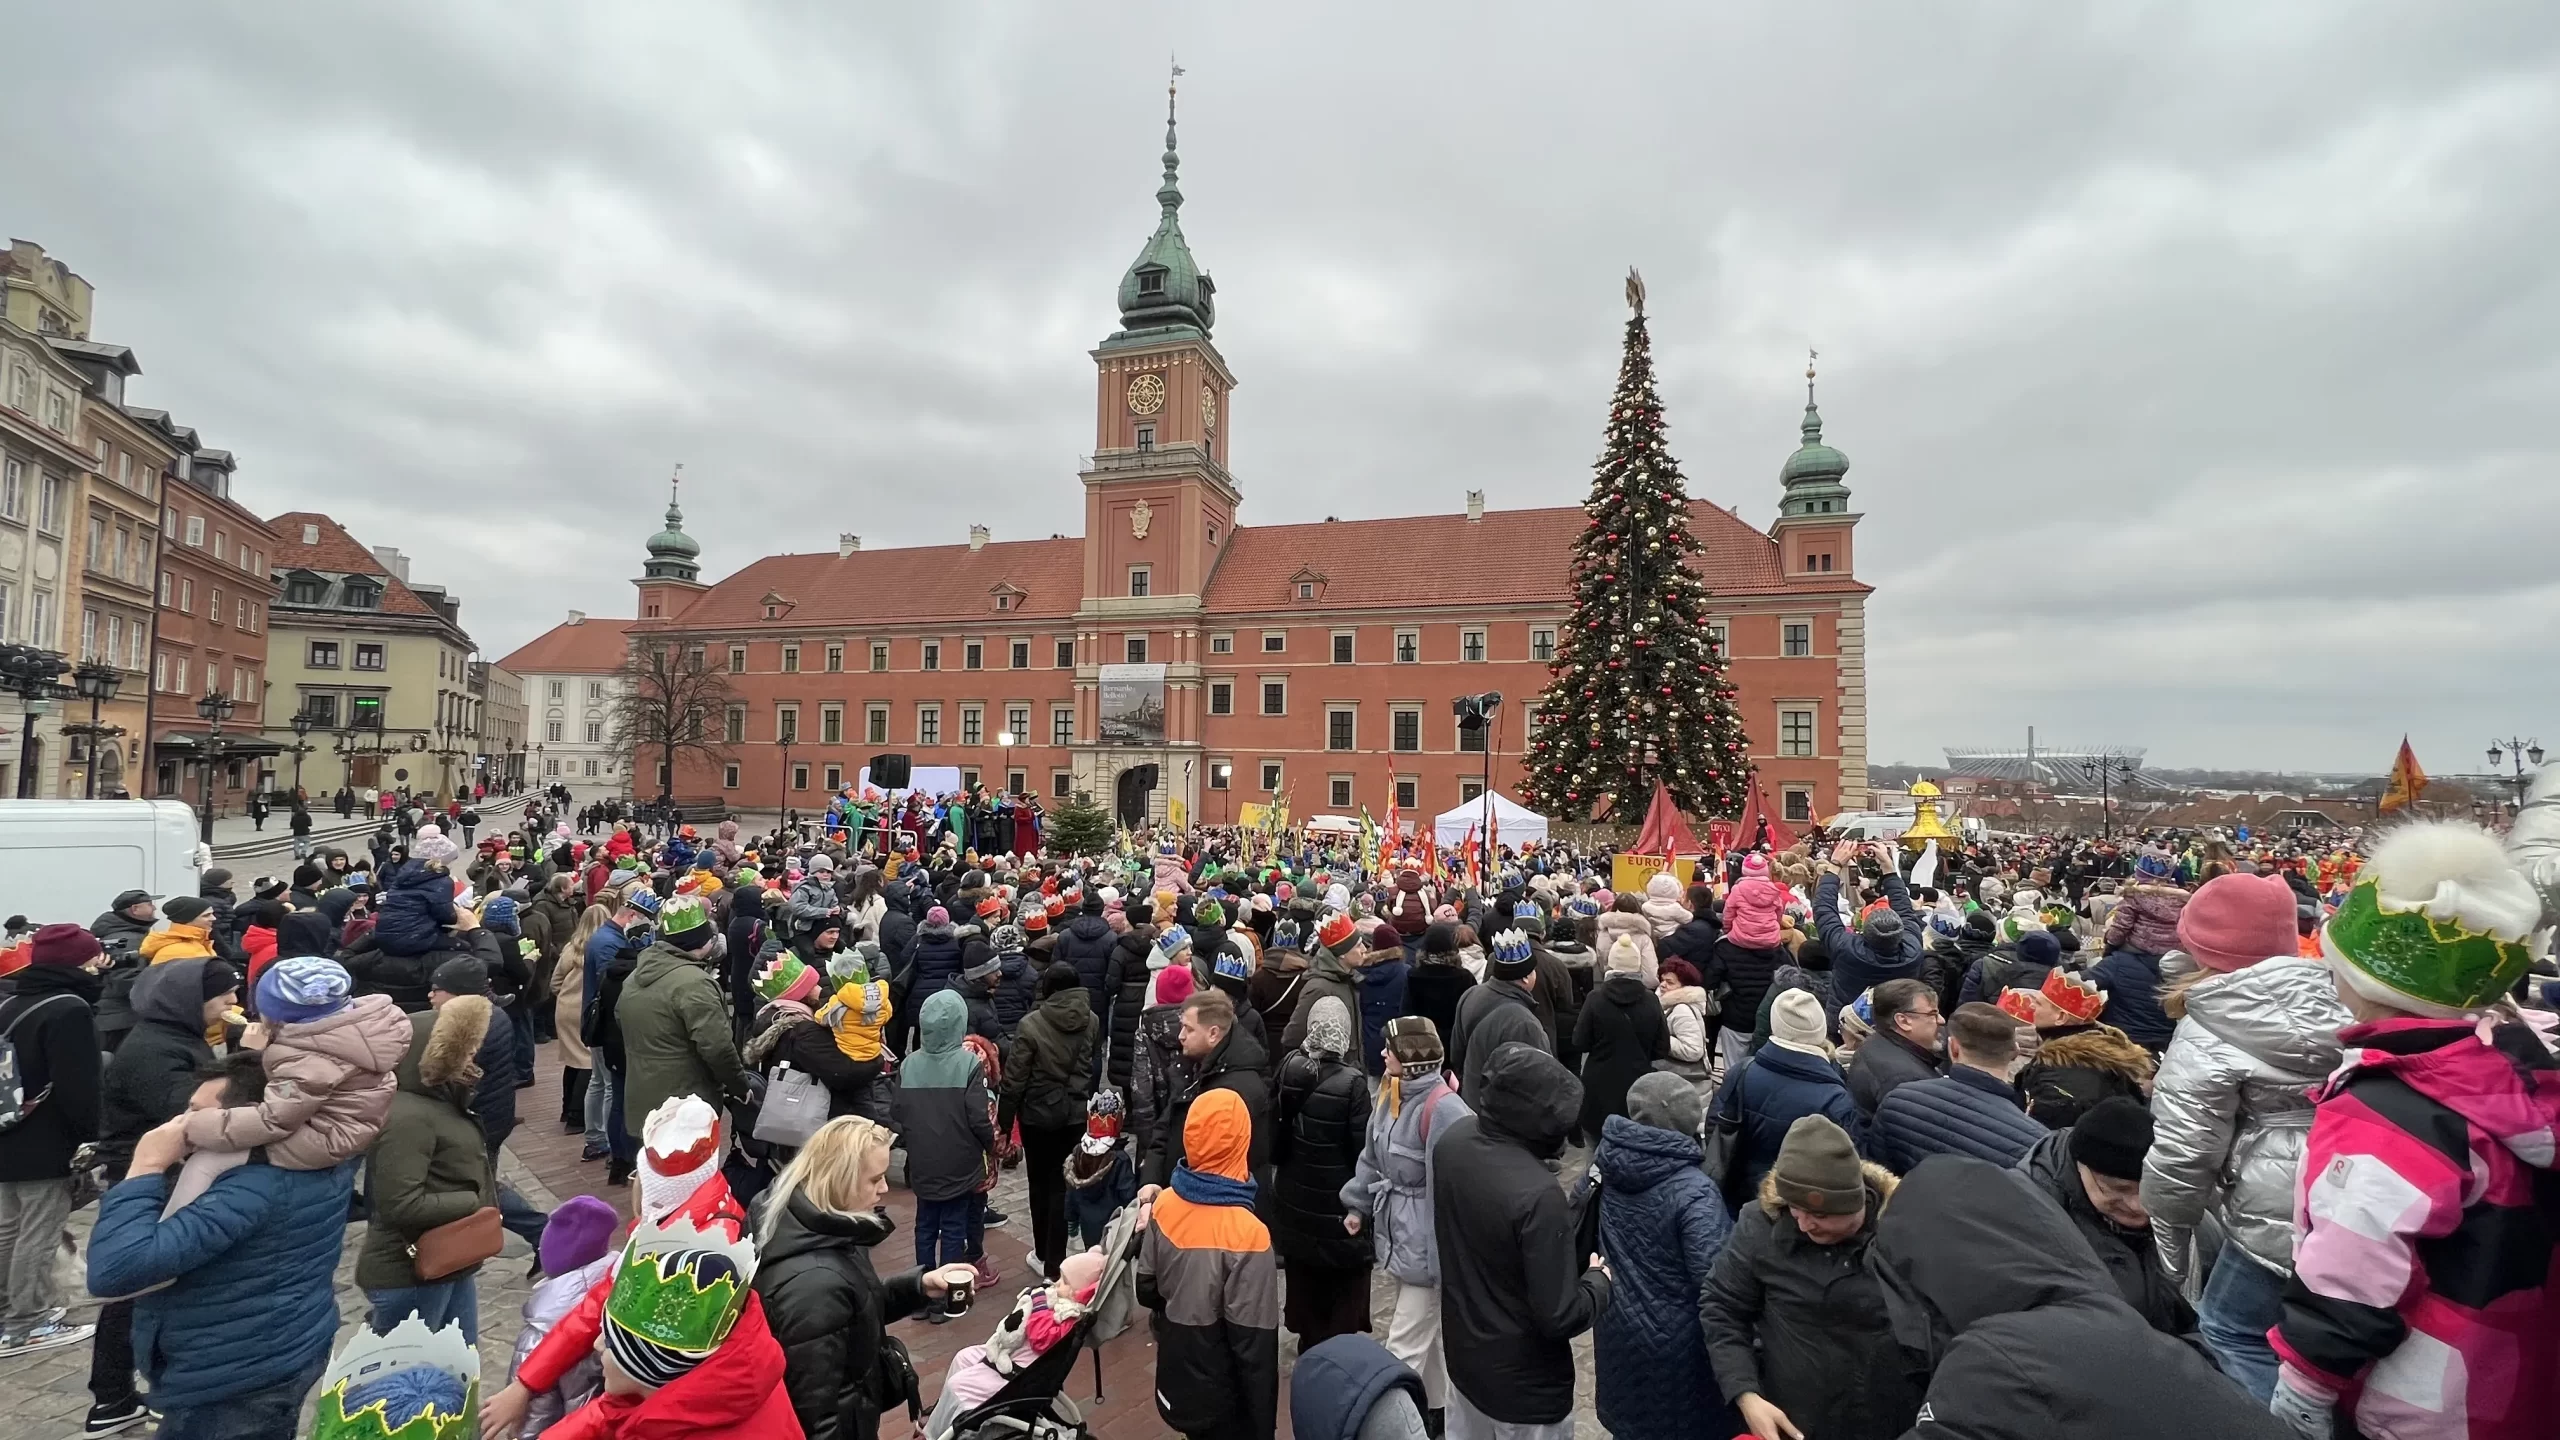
x,y
1513,825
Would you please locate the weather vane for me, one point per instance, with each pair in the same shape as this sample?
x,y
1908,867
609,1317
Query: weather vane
x,y
675,483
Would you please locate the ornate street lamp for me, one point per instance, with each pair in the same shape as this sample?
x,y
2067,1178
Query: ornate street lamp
x,y
301,747
31,675
214,708
2516,753
97,682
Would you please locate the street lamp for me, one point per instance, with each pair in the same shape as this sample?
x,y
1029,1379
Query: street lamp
x,y
215,708
1005,741
97,682
782,815
301,747
2110,768
1476,715
29,673
2515,753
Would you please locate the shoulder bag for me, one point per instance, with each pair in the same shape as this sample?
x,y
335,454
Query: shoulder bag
x,y
458,1245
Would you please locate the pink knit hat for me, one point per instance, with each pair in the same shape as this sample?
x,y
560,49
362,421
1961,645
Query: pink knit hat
x,y
1755,866
2234,921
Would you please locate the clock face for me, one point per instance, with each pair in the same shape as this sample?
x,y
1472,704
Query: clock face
x,y
1146,395
1208,408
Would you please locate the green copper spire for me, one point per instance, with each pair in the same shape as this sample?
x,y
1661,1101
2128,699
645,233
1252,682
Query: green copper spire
x,y
1813,473
1164,291
672,553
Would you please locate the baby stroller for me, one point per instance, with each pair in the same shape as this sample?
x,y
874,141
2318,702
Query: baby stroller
x,y
1033,1404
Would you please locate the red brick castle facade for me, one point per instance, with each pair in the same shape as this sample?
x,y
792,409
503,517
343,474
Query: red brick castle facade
x,y
1319,660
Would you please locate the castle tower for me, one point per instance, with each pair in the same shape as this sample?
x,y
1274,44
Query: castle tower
x,y
671,578
1815,525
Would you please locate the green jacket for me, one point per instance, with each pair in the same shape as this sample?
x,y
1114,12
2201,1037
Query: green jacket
x,y
431,1165
1048,1071
675,1035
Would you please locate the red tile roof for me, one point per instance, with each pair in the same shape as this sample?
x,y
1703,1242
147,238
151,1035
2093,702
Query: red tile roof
x,y
339,553
1509,557
591,647
925,582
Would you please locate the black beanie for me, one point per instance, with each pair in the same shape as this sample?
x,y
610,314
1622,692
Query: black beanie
x,y
217,977
1059,978
2113,1137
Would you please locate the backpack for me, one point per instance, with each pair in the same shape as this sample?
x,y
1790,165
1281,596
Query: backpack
x,y
15,1104
1413,909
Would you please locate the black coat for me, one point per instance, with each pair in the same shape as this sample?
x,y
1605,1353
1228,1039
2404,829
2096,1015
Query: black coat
x,y
811,1048
1513,1292
1433,990
1316,1140
1086,942
1749,972
1237,1064
1883,1062
1504,1011
827,1308
1620,1035
1126,979
1048,1067
50,1016
2131,1258
154,1070
2011,1308
1803,1325
1694,942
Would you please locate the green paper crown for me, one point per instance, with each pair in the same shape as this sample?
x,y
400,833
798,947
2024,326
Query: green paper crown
x,y
781,975
2436,961
682,913
430,1377
660,1296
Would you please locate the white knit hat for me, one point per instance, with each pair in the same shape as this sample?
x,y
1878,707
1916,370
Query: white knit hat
x,y
1796,1022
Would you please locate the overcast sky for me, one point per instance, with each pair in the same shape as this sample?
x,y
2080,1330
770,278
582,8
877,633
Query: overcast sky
x,y
2197,363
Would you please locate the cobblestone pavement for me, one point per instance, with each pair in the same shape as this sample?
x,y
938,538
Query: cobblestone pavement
x,y
46,1396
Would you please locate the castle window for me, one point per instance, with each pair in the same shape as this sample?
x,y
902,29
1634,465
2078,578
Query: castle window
x,y
1151,281
1146,437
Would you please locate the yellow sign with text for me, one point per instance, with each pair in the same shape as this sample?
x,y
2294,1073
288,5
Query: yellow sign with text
x,y
1176,813
1628,873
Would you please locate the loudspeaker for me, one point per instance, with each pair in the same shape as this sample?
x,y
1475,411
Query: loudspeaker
x,y
890,772
1144,777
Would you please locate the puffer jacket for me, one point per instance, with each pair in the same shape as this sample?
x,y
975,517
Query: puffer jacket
x,y
933,963
2231,1108
1125,983
329,1085
1963,1112
2131,1257
1316,1144
1391,1188
1662,1225
1161,1074
1748,970
1636,927
154,1071
431,1165
1776,1089
829,1309
1086,942
1015,991
2146,919
1804,1326
1048,1069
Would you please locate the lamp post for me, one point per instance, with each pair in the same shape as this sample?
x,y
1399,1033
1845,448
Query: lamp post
x,y
2516,754
97,682
1476,717
29,673
2110,768
301,747
1005,741
1222,777
782,814
215,708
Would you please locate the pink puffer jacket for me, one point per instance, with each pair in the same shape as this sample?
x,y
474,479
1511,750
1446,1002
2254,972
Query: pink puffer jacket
x,y
329,1084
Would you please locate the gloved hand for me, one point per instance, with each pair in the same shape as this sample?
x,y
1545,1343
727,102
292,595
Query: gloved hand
x,y
2301,1405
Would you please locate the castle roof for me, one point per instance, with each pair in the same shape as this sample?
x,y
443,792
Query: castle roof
x,y
592,646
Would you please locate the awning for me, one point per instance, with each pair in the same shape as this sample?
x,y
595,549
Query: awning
x,y
192,742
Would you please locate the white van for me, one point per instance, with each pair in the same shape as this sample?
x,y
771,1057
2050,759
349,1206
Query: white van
x,y
1867,825
69,859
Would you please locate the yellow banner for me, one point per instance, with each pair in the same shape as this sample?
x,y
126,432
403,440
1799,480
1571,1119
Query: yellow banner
x,y
1175,813
1628,873
1252,816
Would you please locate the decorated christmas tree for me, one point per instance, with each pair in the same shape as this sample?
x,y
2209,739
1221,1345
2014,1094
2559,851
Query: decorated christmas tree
x,y
1639,691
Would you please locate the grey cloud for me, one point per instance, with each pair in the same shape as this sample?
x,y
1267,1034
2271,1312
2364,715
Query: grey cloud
x,y
2195,359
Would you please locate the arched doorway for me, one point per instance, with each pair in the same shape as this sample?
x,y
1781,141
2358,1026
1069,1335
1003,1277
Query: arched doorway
x,y
1135,784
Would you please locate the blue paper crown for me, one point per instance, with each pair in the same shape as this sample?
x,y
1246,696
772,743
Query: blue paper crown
x,y
1511,947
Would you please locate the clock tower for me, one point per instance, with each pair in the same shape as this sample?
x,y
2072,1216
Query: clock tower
x,y
1160,507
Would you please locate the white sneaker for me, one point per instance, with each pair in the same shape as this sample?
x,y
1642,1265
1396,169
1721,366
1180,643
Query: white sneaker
x,y
46,1335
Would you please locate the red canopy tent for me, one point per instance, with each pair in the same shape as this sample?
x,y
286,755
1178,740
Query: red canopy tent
x,y
1666,831
1756,814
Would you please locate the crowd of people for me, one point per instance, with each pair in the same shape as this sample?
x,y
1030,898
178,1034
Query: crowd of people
x,y
2172,1137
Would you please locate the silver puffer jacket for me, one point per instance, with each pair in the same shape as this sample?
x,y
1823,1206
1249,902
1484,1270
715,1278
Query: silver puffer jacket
x,y
2230,1110
2534,840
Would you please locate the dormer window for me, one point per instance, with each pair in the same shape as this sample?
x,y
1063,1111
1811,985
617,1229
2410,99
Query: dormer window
x,y
305,589
1008,596
1307,584
360,595
1306,590
1151,280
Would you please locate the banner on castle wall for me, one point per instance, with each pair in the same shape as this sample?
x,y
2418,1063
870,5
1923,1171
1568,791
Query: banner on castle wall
x,y
1132,708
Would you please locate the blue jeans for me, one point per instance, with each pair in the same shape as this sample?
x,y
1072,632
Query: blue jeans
x,y
599,1096
2242,1301
942,1230
626,1149
438,1304
273,1412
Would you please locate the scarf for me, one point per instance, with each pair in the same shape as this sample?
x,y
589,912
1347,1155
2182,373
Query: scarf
x,y
1202,1188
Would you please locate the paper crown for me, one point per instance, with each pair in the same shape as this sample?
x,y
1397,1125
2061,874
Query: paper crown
x,y
682,914
1284,935
412,1384
1335,931
2439,921
2074,995
787,977
681,1285
1510,947
1172,940
1209,912
848,967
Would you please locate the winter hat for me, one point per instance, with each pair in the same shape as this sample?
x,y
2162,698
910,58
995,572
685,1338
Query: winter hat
x,y
1338,933
216,977
1008,939
431,844
500,914
1328,1027
305,932
787,977
185,909
1666,1102
1817,1169
1383,937
1663,886
1796,1022
64,943
1058,979
1882,936
2234,921
2114,1135
305,987
2074,995
1172,986
679,1149
684,924
577,1235
1172,942
937,916
2038,947
461,975
1511,957
822,864
985,967
2438,923
1624,957
1415,1042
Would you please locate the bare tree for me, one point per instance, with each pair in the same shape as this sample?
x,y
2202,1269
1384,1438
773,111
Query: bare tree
x,y
673,705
